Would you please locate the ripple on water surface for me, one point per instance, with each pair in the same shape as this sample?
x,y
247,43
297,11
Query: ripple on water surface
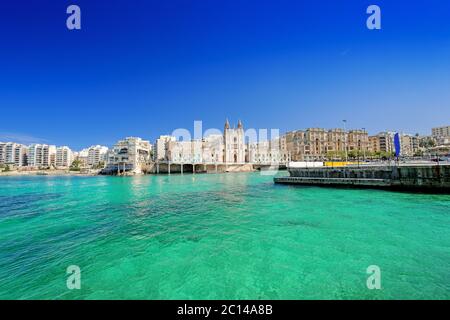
x,y
225,236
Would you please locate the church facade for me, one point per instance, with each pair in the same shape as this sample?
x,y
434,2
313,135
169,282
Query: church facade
x,y
234,143
229,148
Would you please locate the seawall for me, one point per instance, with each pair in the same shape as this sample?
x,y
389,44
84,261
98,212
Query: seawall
x,y
422,178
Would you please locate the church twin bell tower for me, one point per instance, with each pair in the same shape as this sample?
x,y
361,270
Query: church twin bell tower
x,y
234,143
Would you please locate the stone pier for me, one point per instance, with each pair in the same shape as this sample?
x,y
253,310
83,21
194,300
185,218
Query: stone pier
x,y
415,177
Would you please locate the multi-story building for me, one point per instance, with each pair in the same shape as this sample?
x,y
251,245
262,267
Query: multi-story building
x,y
443,141
160,149
82,156
130,154
387,142
64,157
13,153
96,155
2,152
319,144
382,142
41,155
269,152
441,132
185,151
213,149
294,143
374,144
358,140
409,145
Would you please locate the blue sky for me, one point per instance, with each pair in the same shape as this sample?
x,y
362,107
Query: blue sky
x,y
145,68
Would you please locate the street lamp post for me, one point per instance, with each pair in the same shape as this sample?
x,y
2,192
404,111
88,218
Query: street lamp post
x,y
345,140
364,147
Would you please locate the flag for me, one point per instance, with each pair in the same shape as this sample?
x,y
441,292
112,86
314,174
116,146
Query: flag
x,y
397,144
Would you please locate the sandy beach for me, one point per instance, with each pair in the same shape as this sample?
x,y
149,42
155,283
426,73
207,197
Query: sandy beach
x,y
46,173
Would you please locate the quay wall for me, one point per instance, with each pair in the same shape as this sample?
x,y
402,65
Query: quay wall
x,y
419,177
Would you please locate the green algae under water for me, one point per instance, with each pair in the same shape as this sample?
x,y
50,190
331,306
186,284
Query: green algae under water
x,y
218,236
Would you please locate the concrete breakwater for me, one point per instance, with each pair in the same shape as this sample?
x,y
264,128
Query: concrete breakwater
x,y
423,177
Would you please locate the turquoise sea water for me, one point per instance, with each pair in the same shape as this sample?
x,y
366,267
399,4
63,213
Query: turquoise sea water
x,y
224,236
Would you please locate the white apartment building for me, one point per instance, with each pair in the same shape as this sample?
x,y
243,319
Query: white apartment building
x,y
41,155
64,157
96,155
269,152
82,156
2,152
13,153
130,154
185,151
213,149
440,132
160,149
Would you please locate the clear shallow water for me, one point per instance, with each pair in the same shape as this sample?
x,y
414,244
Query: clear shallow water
x,y
225,236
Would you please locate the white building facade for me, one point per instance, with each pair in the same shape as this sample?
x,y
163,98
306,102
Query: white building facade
x,y
13,154
64,157
130,154
234,143
96,155
160,148
41,155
